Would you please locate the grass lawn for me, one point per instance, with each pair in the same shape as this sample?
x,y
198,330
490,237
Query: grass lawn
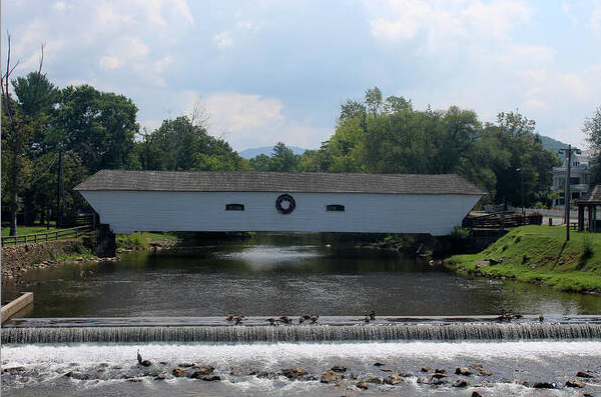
x,y
23,230
540,254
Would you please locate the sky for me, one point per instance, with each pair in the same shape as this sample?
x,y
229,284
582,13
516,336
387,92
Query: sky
x,y
277,70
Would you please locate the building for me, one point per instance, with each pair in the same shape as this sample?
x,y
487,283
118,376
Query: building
x,y
131,201
580,176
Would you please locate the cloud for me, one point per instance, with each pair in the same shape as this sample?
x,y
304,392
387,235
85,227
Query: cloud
x,y
594,22
246,120
110,62
223,39
441,22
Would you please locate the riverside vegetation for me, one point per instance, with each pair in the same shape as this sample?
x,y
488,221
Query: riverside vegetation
x,y
539,254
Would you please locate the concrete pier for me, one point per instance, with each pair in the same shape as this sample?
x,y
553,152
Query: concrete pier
x,y
18,305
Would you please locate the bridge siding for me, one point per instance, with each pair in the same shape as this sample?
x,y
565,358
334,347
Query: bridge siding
x,y
129,211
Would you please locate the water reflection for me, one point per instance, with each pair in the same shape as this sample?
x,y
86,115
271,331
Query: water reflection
x,y
280,274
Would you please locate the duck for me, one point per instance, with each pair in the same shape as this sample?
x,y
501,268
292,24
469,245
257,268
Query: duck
x,y
367,318
230,317
238,320
139,357
272,321
286,320
541,318
303,318
314,319
372,314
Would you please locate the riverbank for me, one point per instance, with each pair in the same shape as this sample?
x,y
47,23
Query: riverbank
x,y
539,254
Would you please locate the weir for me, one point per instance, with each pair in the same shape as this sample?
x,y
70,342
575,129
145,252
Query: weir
x,y
317,333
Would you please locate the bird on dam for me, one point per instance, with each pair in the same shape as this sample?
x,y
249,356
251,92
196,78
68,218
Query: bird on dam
x,y
272,321
286,320
303,318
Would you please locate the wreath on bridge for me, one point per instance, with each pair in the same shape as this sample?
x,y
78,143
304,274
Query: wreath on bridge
x,y
285,204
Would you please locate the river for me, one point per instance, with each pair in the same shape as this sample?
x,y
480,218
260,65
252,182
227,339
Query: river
x,y
175,303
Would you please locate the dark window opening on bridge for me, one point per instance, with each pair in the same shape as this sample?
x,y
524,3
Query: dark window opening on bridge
x,y
335,207
234,207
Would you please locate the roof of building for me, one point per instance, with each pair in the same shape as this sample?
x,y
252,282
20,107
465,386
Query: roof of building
x,y
594,197
300,182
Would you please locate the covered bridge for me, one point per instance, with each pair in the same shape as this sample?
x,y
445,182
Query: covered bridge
x,y
131,201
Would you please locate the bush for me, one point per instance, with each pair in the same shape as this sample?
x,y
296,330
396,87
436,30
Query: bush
x,y
132,241
78,247
587,245
460,233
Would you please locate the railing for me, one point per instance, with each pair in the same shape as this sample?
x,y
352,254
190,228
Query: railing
x,y
47,236
501,220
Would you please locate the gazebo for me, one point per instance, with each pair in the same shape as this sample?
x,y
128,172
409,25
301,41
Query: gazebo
x,y
590,202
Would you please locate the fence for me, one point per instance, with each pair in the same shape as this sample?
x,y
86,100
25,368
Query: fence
x,y
47,236
501,220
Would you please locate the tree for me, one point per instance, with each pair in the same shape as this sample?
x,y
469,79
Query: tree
x,y
282,159
592,129
17,133
98,126
181,145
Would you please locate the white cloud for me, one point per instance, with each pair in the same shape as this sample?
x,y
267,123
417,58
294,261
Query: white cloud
x,y
594,22
247,121
60,6
223,39
239,113
444,21
110,62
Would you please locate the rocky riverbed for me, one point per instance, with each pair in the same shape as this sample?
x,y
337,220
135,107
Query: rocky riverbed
x,y
476,369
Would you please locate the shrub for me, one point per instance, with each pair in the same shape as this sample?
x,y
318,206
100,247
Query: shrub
x,y
132,241
460,233
587,245
78,247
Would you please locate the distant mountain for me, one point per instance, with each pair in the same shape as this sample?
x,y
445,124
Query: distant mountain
x,y
552,144
267,150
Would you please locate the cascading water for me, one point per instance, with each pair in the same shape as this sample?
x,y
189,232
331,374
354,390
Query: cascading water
x,y
318,333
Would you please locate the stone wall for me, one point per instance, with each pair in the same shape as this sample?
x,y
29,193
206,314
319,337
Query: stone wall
x,y
18,258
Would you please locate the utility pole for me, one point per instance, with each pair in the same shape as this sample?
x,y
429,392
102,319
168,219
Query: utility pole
x,y
60,187
568,195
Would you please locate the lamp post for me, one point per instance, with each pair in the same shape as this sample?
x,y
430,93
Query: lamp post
x,y
567,195
522,174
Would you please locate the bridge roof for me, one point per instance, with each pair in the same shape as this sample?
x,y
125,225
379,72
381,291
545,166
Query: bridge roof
x,y
299,182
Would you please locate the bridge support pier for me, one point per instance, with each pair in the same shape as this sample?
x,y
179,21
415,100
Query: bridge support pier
x,y
106,247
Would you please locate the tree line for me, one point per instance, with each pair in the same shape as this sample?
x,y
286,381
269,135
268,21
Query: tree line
x,y
54,138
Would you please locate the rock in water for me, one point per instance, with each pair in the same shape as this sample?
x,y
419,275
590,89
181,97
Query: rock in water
x,y
362,385
575,383
463,371
294,373
206,370
330,376
338,368
461,383
544,385
582,374
178,372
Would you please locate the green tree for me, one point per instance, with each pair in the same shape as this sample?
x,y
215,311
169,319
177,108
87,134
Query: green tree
x,y
592,129
99,126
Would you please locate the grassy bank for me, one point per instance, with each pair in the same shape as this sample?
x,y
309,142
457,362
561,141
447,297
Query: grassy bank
x,y
142,240
540,254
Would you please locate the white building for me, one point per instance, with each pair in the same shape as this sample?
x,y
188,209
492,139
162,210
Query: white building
x,y
269,201
580,175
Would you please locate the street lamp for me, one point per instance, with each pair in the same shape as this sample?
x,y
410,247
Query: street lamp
x,y
567,195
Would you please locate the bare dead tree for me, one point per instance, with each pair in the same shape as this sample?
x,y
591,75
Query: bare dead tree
x,y
200,116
